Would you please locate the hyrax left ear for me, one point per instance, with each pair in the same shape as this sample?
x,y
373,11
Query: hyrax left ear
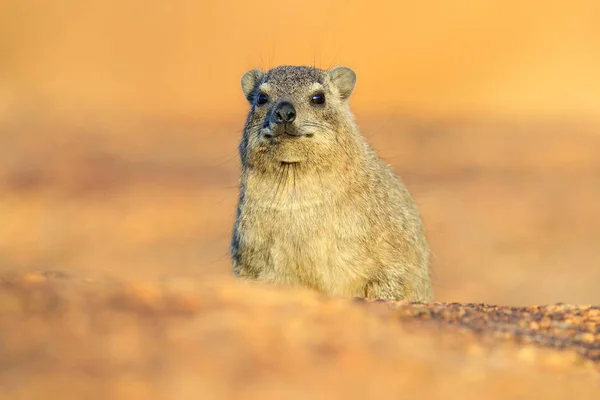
x,y
344,79
249,82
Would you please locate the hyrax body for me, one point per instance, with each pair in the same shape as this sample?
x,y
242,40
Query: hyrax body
x,y
317,207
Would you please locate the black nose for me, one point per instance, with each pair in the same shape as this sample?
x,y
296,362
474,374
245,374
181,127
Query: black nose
x,y
284,113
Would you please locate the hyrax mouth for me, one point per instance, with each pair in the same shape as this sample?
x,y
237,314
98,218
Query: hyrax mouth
x,y
283,133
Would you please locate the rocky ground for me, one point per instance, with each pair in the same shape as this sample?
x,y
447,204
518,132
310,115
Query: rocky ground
x,y
67,337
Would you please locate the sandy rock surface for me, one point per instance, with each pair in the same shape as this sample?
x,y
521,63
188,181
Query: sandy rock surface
x,y
67,337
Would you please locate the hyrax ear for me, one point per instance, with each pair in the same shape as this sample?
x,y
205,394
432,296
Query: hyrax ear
x,y
249,82
344,79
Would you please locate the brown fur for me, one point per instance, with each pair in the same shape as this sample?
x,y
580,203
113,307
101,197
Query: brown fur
x,y
323,211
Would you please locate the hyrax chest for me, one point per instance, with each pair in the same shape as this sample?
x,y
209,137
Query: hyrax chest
x,y
315,246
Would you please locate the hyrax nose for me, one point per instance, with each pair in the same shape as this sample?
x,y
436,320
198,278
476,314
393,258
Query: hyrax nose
x,y
284,113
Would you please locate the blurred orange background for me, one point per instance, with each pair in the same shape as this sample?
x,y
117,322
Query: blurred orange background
x,y
119,122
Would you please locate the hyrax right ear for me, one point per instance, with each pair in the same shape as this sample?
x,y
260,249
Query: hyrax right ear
x,y
344,79
249,82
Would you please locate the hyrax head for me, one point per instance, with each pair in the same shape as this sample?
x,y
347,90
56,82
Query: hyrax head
x,y
297,113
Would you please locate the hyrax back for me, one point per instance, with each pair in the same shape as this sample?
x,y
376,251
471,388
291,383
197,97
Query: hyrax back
x,y
318,208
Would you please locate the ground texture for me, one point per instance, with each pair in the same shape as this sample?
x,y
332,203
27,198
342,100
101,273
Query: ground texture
x,y
68,337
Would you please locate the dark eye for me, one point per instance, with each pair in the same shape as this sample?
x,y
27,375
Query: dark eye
x,y
318,98
261,99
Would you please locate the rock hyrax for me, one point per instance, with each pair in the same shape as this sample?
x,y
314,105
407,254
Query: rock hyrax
x,y
317,207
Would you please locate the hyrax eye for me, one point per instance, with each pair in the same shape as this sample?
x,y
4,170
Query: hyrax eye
x,y
318,98
261,99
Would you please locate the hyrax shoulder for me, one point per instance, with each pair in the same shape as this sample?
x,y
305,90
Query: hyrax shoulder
x,y
317,207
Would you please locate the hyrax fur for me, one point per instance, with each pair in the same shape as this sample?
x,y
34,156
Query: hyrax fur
x,y
317,207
